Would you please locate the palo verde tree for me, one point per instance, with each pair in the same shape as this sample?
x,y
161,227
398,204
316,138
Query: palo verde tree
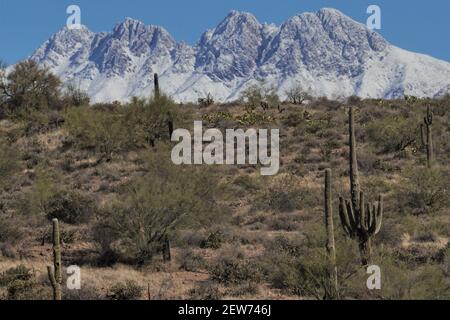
x,y
29,86
153,207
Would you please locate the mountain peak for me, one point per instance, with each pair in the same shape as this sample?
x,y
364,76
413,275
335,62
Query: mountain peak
x,y
327,51
128,25
231,49
238,19
64,32
127,22
134,26
329,12
236,13
137,35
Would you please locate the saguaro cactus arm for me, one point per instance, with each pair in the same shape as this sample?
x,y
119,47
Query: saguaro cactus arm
x,y
367,220
423,134
344,215
377,217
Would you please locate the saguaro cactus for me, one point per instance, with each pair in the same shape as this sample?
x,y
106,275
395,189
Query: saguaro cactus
x,y
330,245
55,273
359,219
427,138
354,175
156,85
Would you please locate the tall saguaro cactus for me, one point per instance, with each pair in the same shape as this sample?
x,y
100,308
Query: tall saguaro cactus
x,y
330,245
156,85
354,175
359,219
55,273
427,138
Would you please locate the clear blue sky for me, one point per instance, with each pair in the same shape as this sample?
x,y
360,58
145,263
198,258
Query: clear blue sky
x,y
416,25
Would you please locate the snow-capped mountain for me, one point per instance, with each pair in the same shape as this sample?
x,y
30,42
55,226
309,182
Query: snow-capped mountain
x,y
326,52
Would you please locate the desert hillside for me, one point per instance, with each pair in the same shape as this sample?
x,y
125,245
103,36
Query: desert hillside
x,y
140,227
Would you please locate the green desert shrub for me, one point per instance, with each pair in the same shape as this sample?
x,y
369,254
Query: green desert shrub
x,y
304,271
104,133
285,194
149,208
299,266
86,292
11,233
294,118
21,272
48,199
10,230
149,121
400,281
245,183
394,133
75,96
71,207
247,288
213,241
21,284
28,290
259,95
424,191
234,269
191,261
34,201
113,130
29,86
205,291
303,277
128,290
39,121
9,163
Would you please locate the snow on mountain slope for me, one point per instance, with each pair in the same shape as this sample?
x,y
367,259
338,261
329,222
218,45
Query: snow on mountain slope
x,y
326,52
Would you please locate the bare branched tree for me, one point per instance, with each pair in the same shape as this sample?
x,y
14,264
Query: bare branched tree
x,y
297,94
